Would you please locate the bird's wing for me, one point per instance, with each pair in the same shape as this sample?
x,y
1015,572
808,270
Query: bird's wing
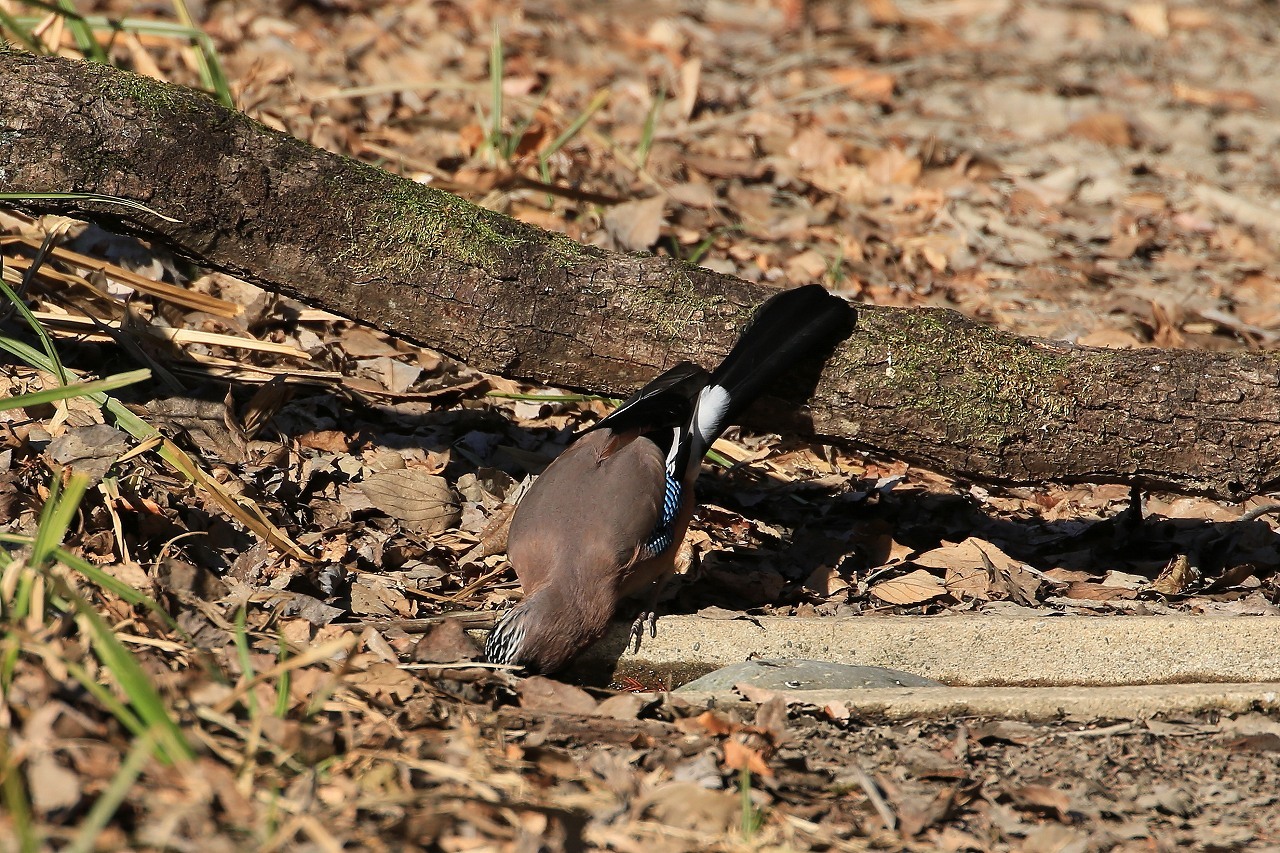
x,y
587,518
665,402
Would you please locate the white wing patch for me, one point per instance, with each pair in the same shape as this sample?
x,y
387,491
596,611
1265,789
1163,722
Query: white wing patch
x,y
674,451
713,403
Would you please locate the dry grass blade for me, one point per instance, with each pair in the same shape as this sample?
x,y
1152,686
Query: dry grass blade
x,y
78,326
159,289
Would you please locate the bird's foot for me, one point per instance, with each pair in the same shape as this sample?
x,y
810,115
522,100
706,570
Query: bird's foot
x,y
637,628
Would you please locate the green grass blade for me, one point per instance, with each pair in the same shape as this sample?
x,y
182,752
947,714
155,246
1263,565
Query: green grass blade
x,y
282,685
110,799
600,99
54,363
105,199
14,796
81,32
650,127
75,389
106,698
210,67
128,673
246,662
495,89
21,605
9,652
56,517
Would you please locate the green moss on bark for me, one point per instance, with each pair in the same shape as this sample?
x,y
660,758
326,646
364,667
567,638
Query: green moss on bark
x,y
981,385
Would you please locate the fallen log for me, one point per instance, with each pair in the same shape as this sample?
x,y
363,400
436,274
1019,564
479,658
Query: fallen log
x,y
924,385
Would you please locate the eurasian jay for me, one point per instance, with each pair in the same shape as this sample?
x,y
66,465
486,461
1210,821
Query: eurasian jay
x,y
607,517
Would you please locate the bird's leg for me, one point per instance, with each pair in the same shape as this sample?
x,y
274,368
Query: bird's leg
x,y
686,559
648,615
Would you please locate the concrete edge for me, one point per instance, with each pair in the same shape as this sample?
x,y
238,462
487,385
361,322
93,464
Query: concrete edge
x,y
1032,704
970,650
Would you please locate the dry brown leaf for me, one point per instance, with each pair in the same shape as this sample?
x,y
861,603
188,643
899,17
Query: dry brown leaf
x,y
446,642
826,581
690,78
1231,99
864,84
1176,578
89,450
546,694
1108,128
708,722
1110,339
912,588
624,706
635,226
359,344
1097,592
688,805
1043,799
1150,18
916,814
329,440
53,787
385,681
422,502
978,569
814,149
738,756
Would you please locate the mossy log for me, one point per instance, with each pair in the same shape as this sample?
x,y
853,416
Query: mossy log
x,y
924,385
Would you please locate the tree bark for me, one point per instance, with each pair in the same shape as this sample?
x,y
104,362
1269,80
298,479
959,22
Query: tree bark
x,y
924,385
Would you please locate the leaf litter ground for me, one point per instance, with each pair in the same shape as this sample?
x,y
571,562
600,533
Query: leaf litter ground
x,y
1096,173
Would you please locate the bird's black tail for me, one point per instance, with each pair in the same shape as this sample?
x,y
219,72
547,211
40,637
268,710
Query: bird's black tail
x,y
787,328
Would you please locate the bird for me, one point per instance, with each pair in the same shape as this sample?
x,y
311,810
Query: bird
x,y
606,518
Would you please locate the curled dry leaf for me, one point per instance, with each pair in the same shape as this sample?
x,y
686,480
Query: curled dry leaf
x,y
1043,799
978,569
1097,592
914,588
739,756
422,502
826,581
